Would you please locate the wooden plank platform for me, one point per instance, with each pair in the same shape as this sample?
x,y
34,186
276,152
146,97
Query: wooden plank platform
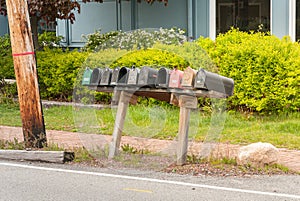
x,y
148,92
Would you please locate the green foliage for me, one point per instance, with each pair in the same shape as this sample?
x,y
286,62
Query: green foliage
x,y
49,39
46,39
14,145
127,148
58,70
136,39
6,61
194,54
82,155
104,58
7,92
151,57
265,70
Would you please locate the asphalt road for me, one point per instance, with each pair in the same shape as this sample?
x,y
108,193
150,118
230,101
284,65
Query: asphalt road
x,y
40,181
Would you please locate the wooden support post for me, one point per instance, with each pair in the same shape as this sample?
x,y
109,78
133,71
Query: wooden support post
x,y
186,103
119,123
26,73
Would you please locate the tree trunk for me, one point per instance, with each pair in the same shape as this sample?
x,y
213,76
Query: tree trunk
x,y
26,73
34,27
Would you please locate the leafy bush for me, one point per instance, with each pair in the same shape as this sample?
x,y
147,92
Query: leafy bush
x,y
265,70
137,39
57,71
46,39
151,57
192,53
7,92
6,61
49,39
104,58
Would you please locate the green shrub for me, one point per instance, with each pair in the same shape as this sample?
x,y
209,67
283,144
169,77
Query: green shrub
x,y
57,71
6,61
192,53
49,39
265,70
8,92
104,58
151,57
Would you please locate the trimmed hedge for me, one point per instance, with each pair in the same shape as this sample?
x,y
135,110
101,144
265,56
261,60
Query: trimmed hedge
x,y
57,70
265,70
6,61
151,57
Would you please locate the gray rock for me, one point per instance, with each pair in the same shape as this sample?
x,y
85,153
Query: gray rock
x,y
258,154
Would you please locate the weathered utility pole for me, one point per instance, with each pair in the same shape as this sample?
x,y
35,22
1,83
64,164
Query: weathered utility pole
x,y
26,73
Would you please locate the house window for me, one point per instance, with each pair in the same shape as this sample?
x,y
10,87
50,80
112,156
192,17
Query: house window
x,y
243,14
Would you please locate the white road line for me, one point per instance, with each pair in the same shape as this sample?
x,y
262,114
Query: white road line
x,y
153,180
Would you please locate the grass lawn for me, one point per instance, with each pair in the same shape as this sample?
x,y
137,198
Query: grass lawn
x,y
162,122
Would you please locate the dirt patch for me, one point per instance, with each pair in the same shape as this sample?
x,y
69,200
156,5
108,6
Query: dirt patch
x,y
218,168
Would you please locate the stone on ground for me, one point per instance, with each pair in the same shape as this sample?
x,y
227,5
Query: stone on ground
x,y
258,154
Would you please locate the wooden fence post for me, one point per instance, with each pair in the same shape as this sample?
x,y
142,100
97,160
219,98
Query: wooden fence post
x,y
186,103
26,73
124,100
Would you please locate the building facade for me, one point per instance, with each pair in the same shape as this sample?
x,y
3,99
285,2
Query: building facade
x,y
205,18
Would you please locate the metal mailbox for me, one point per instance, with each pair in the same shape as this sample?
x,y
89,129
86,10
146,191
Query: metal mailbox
x,y
162,80
188,78
86,77
114,76
106,77
215,82
96,77
147,77
123,76
133,76
175,78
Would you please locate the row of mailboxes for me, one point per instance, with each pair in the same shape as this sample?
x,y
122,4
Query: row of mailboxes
x,y
158,78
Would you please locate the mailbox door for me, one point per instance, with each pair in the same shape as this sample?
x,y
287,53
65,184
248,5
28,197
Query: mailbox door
x,y
188,78
143,77
96,77
86,77
123,76
152,75
147,77
200,80
162,80
106,77
114,76
133,76
175,79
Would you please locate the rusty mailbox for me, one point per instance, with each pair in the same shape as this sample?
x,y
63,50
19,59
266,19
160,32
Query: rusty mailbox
x,y
106,77
123,76
188,78
96,77
175,78
214,82
86,77
162,80
133,76
147,77
114,76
